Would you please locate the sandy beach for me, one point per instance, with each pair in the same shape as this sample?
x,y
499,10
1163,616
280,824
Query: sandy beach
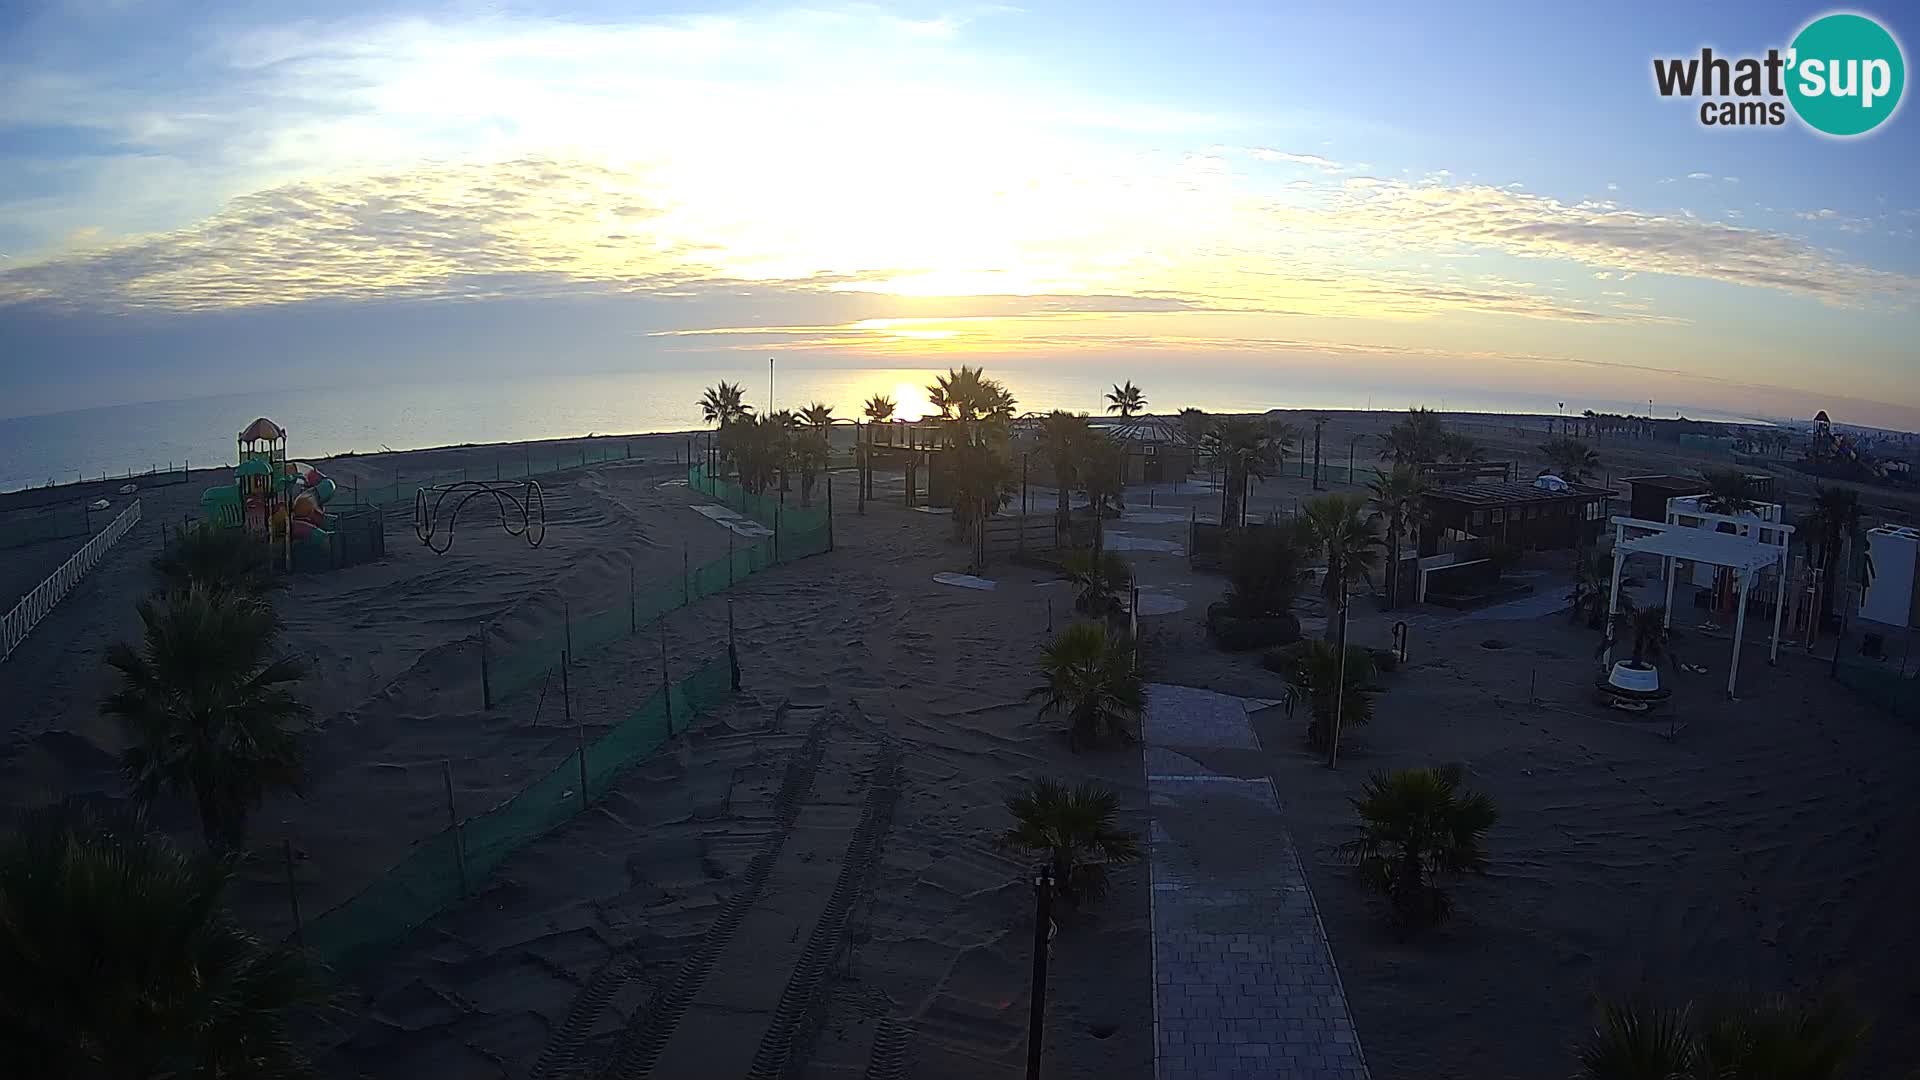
x,y
806,881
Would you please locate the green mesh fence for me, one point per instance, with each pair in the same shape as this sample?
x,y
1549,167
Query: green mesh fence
x,y
429,879
48,525
768,510
1885,687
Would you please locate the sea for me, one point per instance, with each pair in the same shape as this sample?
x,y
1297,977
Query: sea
x,y
323,421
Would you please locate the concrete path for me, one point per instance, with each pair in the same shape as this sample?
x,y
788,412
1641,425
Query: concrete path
x,y
1244,981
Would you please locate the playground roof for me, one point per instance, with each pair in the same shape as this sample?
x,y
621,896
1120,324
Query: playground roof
x,y
1698,545
251,467
262,428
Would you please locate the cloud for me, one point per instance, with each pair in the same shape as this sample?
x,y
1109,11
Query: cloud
x,y
1699,176
1400,216
1311,161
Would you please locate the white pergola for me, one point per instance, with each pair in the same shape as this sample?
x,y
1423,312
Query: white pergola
x,y
1746,556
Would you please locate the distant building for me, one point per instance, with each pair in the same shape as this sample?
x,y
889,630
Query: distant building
x,y
1647,495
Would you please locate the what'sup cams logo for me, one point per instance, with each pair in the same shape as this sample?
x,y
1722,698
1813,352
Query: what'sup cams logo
x,y
1842,75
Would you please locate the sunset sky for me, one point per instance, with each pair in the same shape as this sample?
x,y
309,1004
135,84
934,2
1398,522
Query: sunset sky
x,y
1487,195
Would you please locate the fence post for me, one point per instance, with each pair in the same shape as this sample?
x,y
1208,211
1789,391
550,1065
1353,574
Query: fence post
x,y
633,618
580,748
686,576
776,528
566,619
733,651
729,559
453,824
486,678
566,691
829,511
666,685
293,892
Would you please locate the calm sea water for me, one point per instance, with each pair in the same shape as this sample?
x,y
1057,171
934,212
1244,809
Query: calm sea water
x,y
64,446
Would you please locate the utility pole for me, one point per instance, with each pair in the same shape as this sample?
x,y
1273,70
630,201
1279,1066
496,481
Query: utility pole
x,y
1339,684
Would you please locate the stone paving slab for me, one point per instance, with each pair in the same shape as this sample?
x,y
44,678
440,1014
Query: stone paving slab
x,y
1244,981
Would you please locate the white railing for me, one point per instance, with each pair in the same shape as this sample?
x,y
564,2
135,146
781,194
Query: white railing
x,y
34,606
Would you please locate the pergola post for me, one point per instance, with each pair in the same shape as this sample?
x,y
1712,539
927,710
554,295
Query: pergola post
x,y
1779,603
1673,565
1613,603
1739,630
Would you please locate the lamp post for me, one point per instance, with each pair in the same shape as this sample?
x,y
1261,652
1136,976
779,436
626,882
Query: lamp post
x,y
1042,942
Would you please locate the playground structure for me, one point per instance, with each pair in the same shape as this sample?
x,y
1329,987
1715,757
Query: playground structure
x,y
530,508
284,504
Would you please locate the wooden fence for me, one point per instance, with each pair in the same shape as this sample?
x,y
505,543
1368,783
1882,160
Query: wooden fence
x,y
35,605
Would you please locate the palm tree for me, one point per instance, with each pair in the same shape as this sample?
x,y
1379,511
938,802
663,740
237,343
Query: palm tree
x,y
1772,1038
1457,447
1126,400
1729,492
1100,579
1832,523
982,483
117,959
1074,828
1246,452
1638,1040
1319,677
1418,827
724,403
1592,576
221,559
879,408
1415,439
207,703
1265,568
1645,627
811,446
1343,530
1099,470
1570,459
1194,425
1396,495
758,447
1091,679
967,394
1061,435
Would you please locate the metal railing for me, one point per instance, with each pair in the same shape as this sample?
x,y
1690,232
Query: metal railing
x,y
36,604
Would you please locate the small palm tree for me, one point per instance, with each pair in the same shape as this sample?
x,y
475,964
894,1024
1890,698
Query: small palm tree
x,y
1396,495
879,408
207,705
982,483
1592,578
1100,579
1415,439
1074,828
1091,679
1417,828
1645,627
1570,459
1638,1040
1126,400
221,559
118,959
1773,1038
1316,674
1455,446
1833,522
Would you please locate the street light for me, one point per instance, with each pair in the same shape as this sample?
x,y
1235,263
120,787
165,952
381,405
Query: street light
x,y
1042,943
1319,423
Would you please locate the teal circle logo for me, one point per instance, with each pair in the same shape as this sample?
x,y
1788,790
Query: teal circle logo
x,y
1845,74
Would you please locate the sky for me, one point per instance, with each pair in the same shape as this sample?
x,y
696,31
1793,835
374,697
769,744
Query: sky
x,y
198,198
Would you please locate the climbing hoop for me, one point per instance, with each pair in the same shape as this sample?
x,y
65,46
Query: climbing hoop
x,y
522,514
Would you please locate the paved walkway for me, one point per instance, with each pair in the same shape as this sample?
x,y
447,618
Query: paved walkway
x,y
1244,982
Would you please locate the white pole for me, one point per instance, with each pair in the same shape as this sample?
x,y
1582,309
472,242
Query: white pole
x,y
1672,565
1613,604
1779,602
1739,631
